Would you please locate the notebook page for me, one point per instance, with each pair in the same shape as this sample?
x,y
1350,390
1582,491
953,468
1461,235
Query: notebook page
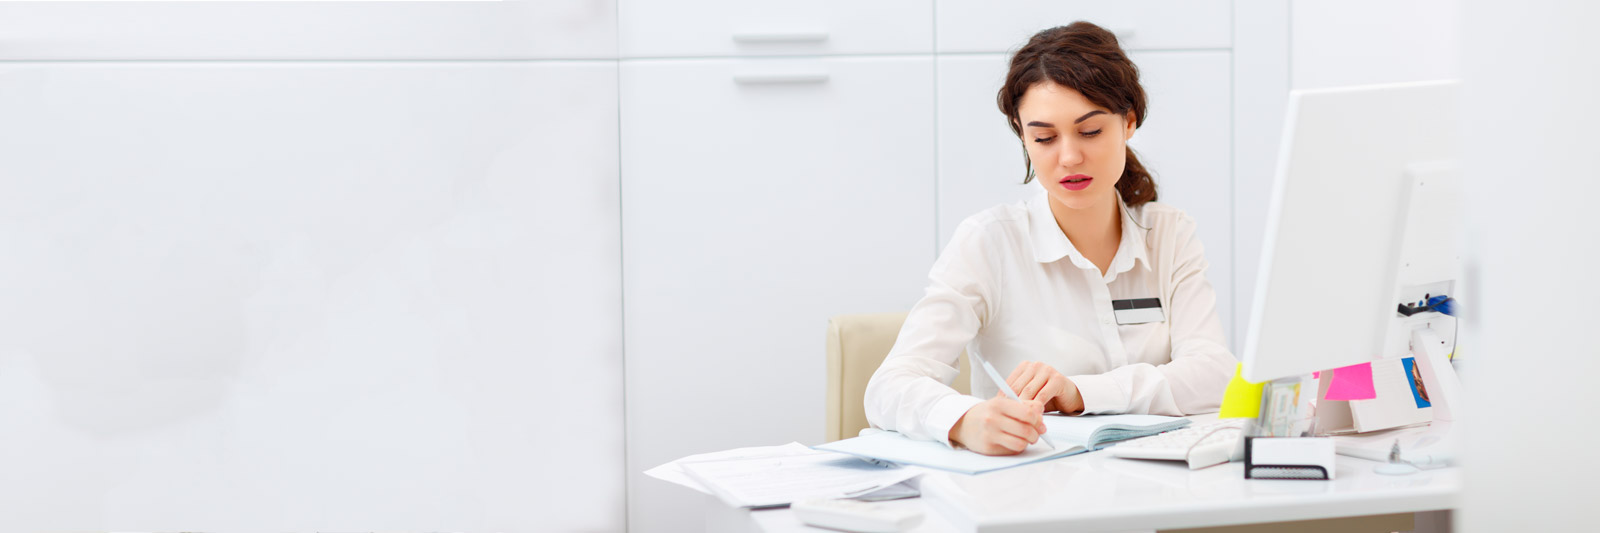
x,y
1078,429
894,447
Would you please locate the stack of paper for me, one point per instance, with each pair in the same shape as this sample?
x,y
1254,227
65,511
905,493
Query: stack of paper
x,y
775,476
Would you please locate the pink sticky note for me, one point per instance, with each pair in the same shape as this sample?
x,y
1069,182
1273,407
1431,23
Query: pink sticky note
x,y
1316,375
1353,382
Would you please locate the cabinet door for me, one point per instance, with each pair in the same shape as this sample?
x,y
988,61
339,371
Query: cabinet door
x,y
308,30
296,297
1005,25
697,28
1184,141
760,197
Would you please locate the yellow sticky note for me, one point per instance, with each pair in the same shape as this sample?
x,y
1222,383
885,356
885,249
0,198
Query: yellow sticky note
x,y
1243,398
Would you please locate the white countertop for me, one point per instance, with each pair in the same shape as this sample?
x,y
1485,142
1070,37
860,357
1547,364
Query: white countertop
x,y
1095,491
1098,492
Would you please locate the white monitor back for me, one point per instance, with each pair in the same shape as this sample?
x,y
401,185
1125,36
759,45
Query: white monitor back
x,y
1326,291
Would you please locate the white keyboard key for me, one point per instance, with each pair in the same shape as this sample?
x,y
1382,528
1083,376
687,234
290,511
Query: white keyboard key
x,y
1201,445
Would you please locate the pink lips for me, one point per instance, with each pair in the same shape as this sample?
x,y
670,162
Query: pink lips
x,y
1076,182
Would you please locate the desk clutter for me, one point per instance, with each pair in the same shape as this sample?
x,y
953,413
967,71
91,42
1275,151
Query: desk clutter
x,y
1278,429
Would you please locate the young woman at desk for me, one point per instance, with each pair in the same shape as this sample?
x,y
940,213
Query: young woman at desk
x,y
1090,294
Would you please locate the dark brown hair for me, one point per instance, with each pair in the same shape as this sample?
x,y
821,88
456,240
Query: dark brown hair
x,y
1085,58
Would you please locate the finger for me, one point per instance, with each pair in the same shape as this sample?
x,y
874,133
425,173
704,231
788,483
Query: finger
x,y
1031,390
1000,444
1020,377
1010,416
1011,443
1017,372
1040,424
1030,413
1019,409
1018,429
1055,386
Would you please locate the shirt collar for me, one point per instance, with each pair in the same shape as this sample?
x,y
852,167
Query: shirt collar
x,y
1050,244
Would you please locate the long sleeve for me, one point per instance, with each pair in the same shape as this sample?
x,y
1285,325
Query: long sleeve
x,y
1201,364
910,392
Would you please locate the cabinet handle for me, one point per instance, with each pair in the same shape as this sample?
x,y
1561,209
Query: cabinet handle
x,y
780,37
772,79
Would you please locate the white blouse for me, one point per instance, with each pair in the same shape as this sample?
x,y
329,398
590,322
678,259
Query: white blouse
x,y
1001,290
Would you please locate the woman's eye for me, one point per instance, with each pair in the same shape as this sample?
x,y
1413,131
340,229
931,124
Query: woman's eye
x,y
1044,140
1091,133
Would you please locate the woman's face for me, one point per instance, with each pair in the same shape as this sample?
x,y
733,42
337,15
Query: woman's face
x,y
1078,149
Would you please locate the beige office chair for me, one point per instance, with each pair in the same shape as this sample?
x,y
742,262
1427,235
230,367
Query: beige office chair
x,y
857,344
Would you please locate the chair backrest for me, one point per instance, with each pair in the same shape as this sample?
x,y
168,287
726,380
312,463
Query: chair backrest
x,y
857,344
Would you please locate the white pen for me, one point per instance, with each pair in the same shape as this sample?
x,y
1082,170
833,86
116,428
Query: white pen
x,y
994,375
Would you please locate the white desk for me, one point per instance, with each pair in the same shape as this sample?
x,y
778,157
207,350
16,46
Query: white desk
x,y
1097,492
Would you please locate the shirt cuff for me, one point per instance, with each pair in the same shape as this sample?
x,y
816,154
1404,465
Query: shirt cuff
x,y
1101,395
946,412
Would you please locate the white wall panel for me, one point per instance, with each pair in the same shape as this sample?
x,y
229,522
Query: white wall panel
x,y
308,30
1260,95
699,28
1530,181
1184,142
751,214
310,297
1362,42
1005,25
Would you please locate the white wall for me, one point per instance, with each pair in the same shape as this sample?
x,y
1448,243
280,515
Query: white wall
x,y
1362,42
1530,112
301,295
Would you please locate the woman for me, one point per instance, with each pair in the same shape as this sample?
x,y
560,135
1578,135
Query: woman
x,y
1035,288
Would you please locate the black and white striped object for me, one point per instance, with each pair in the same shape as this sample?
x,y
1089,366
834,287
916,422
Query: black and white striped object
x,y
1138,311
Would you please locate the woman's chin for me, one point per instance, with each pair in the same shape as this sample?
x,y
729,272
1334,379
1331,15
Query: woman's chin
x,y
1083,199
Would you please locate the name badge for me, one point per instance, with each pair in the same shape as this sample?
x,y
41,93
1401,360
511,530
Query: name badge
x,y
1138,311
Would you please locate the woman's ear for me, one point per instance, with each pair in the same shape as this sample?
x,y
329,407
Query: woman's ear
x,y
1131,125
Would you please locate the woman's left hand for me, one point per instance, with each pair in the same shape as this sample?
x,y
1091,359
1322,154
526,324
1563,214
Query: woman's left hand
x,y
1033,380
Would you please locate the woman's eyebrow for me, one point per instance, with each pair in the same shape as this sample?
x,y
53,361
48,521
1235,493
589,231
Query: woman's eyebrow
x,y
1080,119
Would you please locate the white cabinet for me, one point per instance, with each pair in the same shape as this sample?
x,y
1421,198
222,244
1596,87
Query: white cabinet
x,y
308,30
310,297
752,211
1184,142
653,28
1005,25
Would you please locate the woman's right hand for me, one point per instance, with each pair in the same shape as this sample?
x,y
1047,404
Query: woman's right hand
x,y
1000,426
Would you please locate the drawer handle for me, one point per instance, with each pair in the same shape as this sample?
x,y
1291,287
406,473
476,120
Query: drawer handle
x,y
780,37
774,79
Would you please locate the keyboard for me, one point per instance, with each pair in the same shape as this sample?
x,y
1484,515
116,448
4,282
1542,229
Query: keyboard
x,y
1201,445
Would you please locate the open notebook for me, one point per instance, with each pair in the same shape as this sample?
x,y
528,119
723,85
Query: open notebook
x,y
1069,434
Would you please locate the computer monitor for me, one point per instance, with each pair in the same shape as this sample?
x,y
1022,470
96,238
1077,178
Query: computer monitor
x,y
1332,261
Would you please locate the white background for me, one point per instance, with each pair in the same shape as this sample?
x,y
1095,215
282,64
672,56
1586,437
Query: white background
x,y
474,266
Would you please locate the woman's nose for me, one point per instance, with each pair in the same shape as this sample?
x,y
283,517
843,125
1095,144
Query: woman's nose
x,y
1070,156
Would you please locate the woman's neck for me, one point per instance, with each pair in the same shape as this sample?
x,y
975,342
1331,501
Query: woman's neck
x,y
1095,230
